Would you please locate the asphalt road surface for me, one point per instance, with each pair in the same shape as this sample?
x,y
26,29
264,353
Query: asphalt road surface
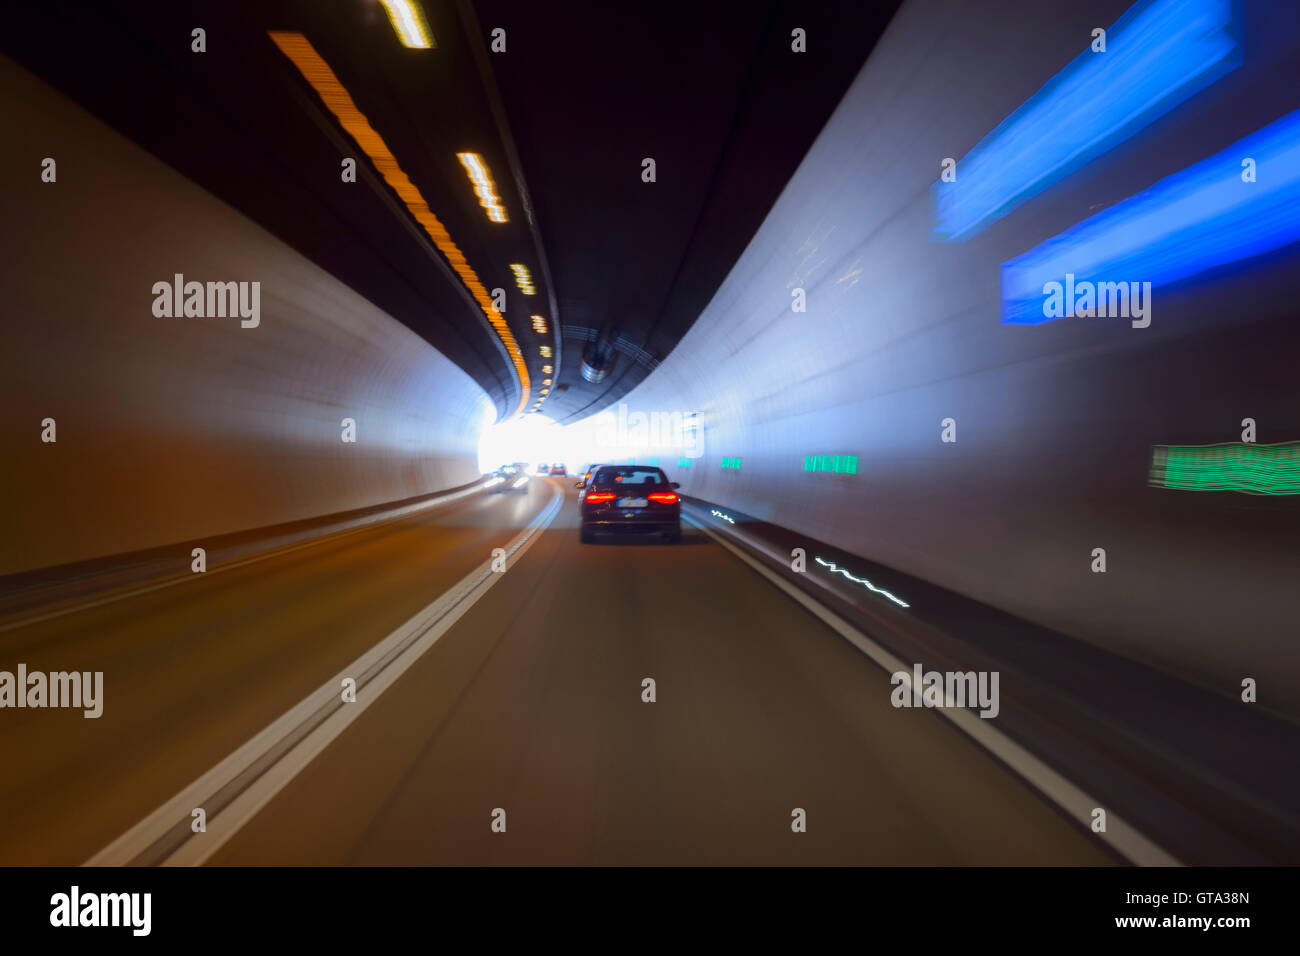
x,y
531,704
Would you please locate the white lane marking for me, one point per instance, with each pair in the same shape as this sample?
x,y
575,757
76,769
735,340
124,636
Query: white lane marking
x,y
341,530
1120,835
284,758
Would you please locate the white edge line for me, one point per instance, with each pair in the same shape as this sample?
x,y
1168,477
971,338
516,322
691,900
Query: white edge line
x,y
158,823
1120,835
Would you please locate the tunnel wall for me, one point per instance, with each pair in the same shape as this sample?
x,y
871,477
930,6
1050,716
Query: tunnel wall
x,y
1054,423
170,429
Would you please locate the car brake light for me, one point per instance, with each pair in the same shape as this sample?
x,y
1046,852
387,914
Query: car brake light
x,y
601,496
662,497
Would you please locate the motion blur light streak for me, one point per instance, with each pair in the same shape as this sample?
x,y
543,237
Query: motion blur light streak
x,y
725,517
484,187
830,566
1204,216
407,17
339,102
1157,55
1233,466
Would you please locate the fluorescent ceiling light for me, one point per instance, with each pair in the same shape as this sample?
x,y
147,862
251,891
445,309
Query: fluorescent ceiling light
x,y
484,187
407,18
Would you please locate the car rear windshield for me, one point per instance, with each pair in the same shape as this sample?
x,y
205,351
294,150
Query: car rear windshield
x,y
629,476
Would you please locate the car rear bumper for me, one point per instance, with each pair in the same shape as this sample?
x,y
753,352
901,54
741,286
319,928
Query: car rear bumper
x,y
633,526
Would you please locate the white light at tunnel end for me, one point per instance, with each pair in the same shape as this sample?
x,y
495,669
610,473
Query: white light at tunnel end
x,y
619,434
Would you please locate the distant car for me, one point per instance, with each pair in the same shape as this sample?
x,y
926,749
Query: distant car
x,y
543,469
559,470
630,499
512,479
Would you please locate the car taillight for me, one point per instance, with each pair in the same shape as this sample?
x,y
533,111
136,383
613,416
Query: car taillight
x,y
662,497
602,496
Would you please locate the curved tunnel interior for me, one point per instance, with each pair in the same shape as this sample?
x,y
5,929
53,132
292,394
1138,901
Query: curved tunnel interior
x,y
263,410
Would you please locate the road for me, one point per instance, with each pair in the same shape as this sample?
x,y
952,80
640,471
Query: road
x,y
532,703
192,671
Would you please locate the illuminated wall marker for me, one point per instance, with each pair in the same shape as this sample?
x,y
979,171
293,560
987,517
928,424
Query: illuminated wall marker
x,y
836,464
731,463
830,565
484,187
337,100
407,18
1158,54
1235,466
1201,217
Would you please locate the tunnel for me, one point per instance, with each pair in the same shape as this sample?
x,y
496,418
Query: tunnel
x,y
956,341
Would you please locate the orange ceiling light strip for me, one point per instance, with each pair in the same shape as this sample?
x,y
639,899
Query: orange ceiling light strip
x,y
336,99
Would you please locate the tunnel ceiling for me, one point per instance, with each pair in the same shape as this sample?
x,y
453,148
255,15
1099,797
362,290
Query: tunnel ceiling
x,y
564,119
714,94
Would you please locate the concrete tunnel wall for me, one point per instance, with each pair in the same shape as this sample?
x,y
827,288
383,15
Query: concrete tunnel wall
x,y
1055,423
171,429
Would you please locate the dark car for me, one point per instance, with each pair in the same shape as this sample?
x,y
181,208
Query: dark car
x,y
630,499
511,479
559,470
